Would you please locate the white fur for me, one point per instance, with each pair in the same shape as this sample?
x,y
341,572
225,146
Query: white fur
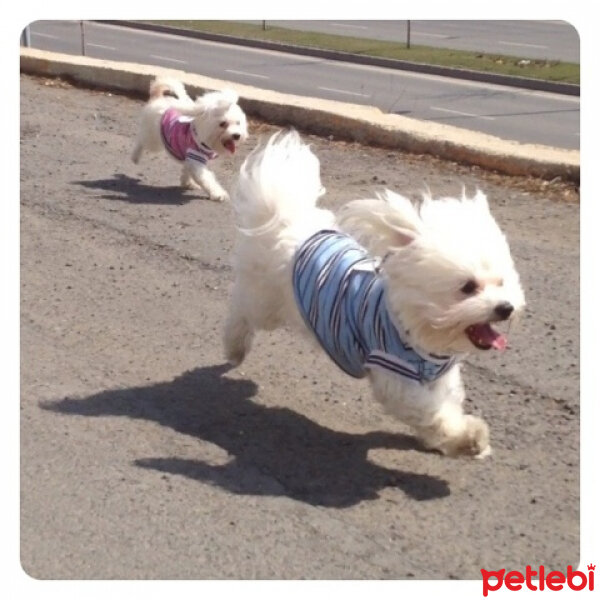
x,y
219,122
429,251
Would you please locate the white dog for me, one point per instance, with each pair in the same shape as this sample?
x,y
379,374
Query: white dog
x,y
192,132
404,320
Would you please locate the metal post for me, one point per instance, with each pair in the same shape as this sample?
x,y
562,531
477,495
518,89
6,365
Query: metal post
x,y
264,25
82,38
408,34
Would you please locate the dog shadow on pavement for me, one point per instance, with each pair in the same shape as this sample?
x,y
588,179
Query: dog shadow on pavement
x,y
129,189
274,451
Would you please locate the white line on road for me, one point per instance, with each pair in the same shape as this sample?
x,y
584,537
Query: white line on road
x,y
168,58
433,35
464,114
349,26
46,35
246,74
524,45
344,92
101,46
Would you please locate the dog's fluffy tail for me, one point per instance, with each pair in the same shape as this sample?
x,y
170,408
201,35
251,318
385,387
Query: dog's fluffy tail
x,y
278,187
167,86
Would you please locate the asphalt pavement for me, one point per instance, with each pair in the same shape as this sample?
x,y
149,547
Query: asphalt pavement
x,y
144,457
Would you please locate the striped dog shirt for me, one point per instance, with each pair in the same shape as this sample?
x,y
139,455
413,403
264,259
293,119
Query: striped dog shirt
x,y
341,296
176,132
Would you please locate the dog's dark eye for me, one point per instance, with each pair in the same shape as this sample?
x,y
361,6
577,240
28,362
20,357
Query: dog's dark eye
x,y
470,287
223,124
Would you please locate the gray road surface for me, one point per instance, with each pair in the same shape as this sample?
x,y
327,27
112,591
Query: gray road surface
x,y
509,113
545,40
143,456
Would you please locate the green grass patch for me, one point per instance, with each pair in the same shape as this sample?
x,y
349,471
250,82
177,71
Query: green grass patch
x,y
548,70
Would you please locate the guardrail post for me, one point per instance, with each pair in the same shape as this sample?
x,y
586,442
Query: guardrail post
x,y
82,38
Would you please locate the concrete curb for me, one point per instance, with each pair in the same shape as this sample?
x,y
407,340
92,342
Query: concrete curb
x,y
389,63
364,124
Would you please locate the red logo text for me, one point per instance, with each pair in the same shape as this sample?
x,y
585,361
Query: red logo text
x,y
552,580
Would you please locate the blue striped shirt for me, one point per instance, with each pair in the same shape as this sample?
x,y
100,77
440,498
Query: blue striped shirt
x,y
341,296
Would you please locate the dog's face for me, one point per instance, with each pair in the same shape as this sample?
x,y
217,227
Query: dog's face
x,y
222,124
451,279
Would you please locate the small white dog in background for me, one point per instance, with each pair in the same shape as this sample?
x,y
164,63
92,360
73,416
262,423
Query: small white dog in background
x,y
192,132
426,288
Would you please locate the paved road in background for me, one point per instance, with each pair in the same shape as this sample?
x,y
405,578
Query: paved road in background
x,y
509,113
552,40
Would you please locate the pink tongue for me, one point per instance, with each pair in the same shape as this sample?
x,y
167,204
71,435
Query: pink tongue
x,y
485,335
500,342
230,146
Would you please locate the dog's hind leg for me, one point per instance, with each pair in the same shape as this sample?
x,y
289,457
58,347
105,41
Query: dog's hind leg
x,y
137,153
187,181
237,338
238,333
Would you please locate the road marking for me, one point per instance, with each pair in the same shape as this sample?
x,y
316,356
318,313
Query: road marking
x,y
349,26
464,114
524,45
47,35
344,92
246,74
100,46
168,58
434,35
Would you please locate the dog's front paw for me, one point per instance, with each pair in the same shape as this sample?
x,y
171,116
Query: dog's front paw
x,y
187,183
473,441
221,196
470,438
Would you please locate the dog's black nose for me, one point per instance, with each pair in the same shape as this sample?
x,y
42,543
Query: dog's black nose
x,y
504,310
235,136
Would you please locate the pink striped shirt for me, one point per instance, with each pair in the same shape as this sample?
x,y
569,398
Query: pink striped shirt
x,y
176,132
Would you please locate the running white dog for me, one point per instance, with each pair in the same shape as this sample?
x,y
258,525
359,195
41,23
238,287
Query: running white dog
x,y
404,320
192,132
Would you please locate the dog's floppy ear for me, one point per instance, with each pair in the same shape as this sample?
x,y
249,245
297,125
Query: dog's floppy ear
x,y
224,99
391,221
216,101
230,96
402,217
399,236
